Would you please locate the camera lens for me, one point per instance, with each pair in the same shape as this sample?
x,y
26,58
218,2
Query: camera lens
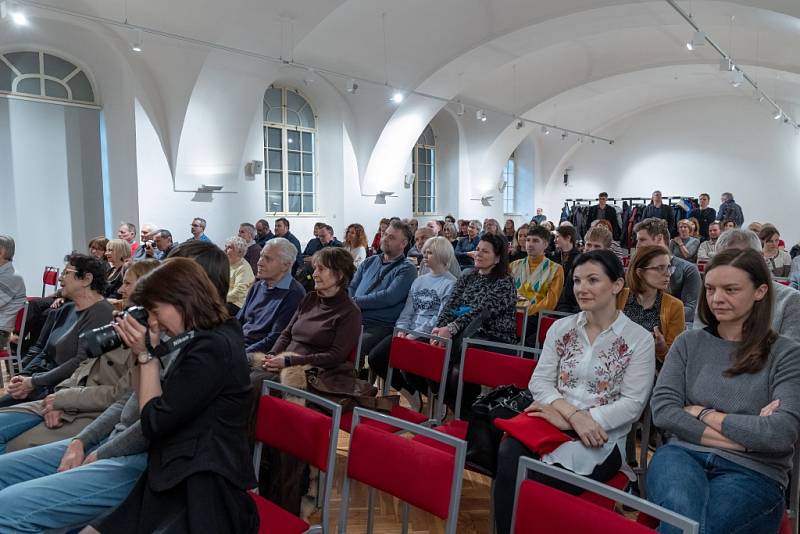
x,y
105,338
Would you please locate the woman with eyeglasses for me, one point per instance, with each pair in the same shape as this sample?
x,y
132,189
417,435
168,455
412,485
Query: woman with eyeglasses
x,y
646,300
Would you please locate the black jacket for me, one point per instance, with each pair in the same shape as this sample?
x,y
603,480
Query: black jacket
x,y
609,214
199,423
567,302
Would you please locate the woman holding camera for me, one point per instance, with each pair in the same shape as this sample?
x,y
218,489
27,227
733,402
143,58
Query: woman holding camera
x,y
199,466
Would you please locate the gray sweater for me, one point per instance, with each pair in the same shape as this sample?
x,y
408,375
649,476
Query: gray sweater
x,y
426,300
693,375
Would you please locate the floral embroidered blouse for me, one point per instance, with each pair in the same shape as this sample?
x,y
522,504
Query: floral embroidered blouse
x,y
611,378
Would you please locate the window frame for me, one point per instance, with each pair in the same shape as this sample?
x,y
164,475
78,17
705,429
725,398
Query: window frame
x,y
510,189
285,128
434,196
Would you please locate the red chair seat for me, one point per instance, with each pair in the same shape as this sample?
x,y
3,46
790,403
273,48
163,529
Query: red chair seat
x,y
275,520
457,429
786,525
618,481
4,354
406,414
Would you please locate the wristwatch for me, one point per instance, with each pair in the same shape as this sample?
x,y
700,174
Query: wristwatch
x,y
144,357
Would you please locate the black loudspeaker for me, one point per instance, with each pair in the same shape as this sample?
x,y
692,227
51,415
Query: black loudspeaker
x,y
566,178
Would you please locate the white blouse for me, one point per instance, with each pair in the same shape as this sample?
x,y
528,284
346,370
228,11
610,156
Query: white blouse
x,y
611,378
359,254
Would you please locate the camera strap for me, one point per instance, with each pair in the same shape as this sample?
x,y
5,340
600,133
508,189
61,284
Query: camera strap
x,y
172,344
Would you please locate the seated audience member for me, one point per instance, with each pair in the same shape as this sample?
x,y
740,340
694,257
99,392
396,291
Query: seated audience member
x,y
482,305
449,218
204,488
509,231
248,232
778,261
324,238
540,217
708,248
241,273
755,227
146,248
164,242
127,232
646,300
420,236
57,353
728,224
465,249
324,331
786,305
12,290
538,280
375,248
684,246
263,233
704,214
728,395
282,230
598,237
463,228
380,286
271,301
592,381
355,242
685,282
426,299
79,399
450,232
695,225
198,230
614,247
491,226
97,247
436,226
565,255
517,250
452,266
117,253
96,470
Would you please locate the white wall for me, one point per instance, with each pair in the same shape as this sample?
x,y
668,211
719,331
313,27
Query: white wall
x,y
684,148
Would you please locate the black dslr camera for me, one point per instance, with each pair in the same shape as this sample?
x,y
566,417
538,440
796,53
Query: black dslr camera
x,y
105,339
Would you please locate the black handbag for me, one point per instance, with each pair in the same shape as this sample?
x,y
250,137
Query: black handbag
x,y
483,438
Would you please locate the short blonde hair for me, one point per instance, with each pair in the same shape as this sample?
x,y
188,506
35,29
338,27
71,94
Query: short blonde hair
x,y
119,248
441,249
599,234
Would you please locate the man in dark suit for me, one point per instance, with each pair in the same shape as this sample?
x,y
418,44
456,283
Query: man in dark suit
x,y
603,211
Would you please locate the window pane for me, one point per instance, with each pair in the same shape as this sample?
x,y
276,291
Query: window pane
x,y
308,183
294,161
274,115
274,138
274,201
274,159
294,202
307,117
275,181
57,67
308,203
293,139
24,62
29,86
308,162
294,101
308,142
81,88
294,182
54,89
292,118
6,76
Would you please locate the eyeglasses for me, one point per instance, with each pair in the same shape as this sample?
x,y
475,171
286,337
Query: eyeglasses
x,y
661,269
197,225
68,270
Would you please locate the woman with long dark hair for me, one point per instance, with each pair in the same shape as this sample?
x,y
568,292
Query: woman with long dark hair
x,y
729,395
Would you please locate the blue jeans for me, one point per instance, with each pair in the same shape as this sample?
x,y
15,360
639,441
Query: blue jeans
x,y
35,497
723,497
12,424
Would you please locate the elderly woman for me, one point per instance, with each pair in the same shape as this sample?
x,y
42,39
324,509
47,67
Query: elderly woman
x,y
728,396
779,261
117,253
241,277
592,381
355,242
491,226
684,245
325,328
199,467
57,354
97,247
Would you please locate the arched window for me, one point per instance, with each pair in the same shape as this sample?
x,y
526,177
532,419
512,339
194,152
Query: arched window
x,y
424,165
509,176
42,75
290,128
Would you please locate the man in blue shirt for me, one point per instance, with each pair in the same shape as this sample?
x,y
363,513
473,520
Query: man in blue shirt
x,y
198,229
381,284
271,301
282,230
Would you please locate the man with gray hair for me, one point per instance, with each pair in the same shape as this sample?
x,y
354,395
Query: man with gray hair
x,y
127,232
786,307
730,210
248,232
272,299
12,290
147,248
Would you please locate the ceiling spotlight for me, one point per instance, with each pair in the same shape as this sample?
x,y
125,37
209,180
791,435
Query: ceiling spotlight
x,y
778,114
480,115
136,45
352,86
460,110
698,39
397,97
726,64
519,125
545,130
564,135
738,78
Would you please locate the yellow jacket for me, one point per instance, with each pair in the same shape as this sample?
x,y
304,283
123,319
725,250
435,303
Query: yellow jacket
x,y
670,316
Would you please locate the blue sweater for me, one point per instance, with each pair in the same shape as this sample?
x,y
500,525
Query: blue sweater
x,y
267,311
382,305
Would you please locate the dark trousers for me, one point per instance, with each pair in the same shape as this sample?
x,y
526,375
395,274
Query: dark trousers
x,y
505,482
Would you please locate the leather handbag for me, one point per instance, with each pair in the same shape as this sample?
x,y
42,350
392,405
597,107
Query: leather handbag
x,y
340,385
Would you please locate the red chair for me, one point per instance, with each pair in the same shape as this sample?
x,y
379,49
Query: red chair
x,y
306,434
781,280
546,320
521,318
49,278
701,266
790,518
426,477
19,328
419,357
355,357
546,510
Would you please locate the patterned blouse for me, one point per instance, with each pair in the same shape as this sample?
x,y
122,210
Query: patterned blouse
x,y
647,318
612,378
475,293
